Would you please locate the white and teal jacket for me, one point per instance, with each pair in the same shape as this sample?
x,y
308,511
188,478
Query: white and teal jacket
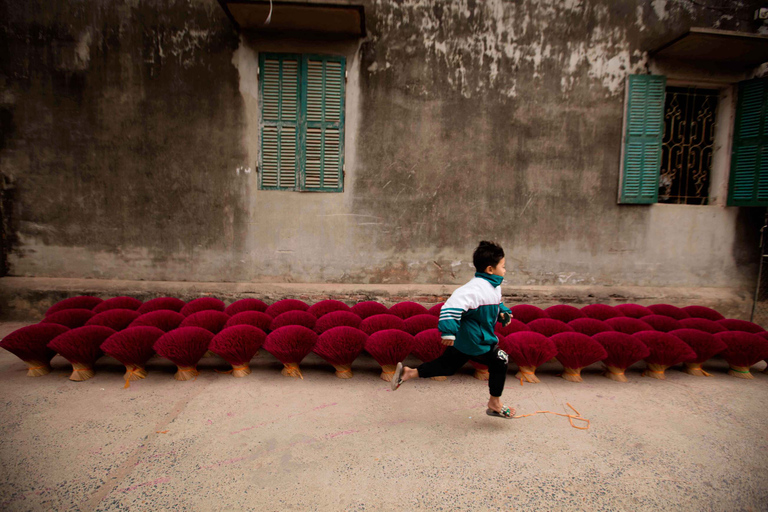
x,y
470,314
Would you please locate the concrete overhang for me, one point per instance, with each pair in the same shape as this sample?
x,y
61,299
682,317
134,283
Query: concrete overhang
x,y
334,19
735,50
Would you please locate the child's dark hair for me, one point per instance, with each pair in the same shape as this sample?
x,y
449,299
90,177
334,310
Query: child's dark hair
x,y
487,254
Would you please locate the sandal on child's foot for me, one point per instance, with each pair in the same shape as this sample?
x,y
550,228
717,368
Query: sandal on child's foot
x,y
505,413
397,379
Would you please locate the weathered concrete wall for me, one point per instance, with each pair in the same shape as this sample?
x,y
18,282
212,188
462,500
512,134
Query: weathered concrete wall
x,y
133,133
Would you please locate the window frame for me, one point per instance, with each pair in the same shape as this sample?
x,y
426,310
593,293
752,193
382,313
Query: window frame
x,y
302,123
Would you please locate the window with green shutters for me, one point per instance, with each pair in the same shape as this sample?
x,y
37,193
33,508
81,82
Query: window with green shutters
x,y
749,163
644,130
302,122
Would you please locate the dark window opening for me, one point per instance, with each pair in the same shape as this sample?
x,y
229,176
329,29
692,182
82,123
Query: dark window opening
x,y
687,146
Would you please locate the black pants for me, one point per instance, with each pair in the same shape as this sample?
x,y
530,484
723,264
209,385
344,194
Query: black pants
x,y
452,359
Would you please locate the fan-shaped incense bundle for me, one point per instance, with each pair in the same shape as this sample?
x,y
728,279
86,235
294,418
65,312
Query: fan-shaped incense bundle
x,y
254,318
202,304
527,313
428,346
600,311
133,347
743,350
30,344
161,304
623,351
628,325
210,320
669,310
564,313
389,347
407,309
164,319
81,347
418,323
662,323
324,307
118,303
589,326
290,345
369,308
117,319
384,322
549,327
71,318
576,351
528,350
703,312
237,345
665,350
80,302
340,346
282,306
184,347
294,317
704,344
243,305
337,319
633,310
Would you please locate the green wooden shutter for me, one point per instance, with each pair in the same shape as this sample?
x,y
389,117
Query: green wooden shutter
x,y
324,123
749,163
644,119
279,159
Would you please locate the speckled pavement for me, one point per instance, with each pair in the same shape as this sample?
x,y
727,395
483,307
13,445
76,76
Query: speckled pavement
x,y
268,442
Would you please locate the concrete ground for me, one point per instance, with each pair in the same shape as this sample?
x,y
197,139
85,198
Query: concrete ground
x,y
268,442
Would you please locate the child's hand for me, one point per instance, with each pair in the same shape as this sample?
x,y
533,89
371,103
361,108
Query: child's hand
x,y
506,318
448,342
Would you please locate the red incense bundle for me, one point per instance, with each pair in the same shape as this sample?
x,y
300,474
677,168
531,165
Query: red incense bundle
x,y
564,313
600,311
340,346
254,318
628,325
243,305
118,303
389,347
704,344
30,344
527,313
384,322
407,309
294,317
71,318
436,309
184,347
161,304
428,346
702,324
733,324
528,350
81,347
290,345
549,327
237,345
665,350
512,327
418,323
369,308
703,312
633,310
623,351
133,347
337,319
117,319
589,326
669,310
79,302
282,306
743,350
662,323
164,319
210,320
324,307
576,351
202,304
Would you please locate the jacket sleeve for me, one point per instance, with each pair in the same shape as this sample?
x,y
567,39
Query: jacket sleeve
x,y
503,309
450,314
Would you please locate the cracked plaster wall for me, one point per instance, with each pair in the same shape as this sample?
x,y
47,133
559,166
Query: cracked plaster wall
x,y
131,131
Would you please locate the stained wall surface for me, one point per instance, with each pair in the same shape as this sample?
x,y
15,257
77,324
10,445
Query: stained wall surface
x,y
130,130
